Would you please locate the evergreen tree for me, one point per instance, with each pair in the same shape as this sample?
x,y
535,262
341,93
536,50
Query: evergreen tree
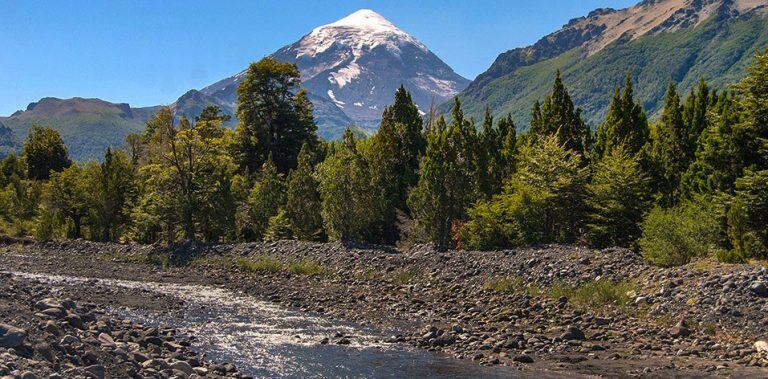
x,y
303,206
748,216
44,152
543,202
266,198
447,185
752,132
695,112
209,122
394,157
558,116
272,119
278,228
669,150
349,203
619,197
625,124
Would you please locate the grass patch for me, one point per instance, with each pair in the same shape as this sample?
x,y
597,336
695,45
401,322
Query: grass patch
x,y
405,276
595,294
513,285
367,275
262,263
307,267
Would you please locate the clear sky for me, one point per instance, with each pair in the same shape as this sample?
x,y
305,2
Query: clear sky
x,y
149,52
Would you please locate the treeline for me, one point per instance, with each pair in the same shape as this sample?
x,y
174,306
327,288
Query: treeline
x,y
693,184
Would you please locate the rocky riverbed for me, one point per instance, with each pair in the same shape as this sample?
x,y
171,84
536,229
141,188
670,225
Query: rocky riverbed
x,y
557,309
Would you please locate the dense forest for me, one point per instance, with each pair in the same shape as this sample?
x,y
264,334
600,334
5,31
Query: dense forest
x,y
692,184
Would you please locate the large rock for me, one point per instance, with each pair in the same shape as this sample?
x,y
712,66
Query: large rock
x,y
680,330
572,333
759,289
11,336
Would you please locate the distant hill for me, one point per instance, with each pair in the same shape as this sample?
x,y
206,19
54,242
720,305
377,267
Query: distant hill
x,y
8,141
87,126
655,40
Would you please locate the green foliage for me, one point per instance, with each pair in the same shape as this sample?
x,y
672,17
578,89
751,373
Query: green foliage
x,y
558,116
112,189
670,151
448,181
674,236
278,228
394,156
44,152
66,196
349,203
619,197
303,206
272,119
748,216
544,201
625,125
265,199
595,294
307,267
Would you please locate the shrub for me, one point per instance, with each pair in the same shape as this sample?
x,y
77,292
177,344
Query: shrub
x,y
262,263
595,294
307,267
278,228
674,236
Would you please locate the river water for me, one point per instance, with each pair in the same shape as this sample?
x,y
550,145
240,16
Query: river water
x,y
266,340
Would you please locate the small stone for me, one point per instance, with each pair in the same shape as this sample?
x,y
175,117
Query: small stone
x,y
680,330
11,336
183,366
572,333
28,375
523,358
759,289
96,371
761,346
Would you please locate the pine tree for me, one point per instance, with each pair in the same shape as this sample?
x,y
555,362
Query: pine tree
x,y
447,185
558,116
625,124
278,228
394,157
748,216
669,150
303,206
619,197
752,131
44,152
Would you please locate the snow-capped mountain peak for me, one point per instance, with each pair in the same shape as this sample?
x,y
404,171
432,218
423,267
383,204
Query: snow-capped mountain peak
x,y
352,67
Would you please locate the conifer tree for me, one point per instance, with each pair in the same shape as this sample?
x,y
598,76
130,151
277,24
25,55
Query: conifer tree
x,y
113,189
447,185
669,150
558,116
625,124
266,198
349,201
303,206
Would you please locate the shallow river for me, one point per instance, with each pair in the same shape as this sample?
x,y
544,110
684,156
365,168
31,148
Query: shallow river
x,y
266,340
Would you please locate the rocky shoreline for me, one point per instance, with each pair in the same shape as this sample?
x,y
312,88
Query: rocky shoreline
x,y
565,309
45,336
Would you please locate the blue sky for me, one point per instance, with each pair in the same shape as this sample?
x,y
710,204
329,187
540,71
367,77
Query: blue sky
x,y
150,52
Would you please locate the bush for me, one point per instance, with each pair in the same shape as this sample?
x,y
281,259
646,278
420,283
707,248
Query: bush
x,y
262,263
595,294
307,267
674,236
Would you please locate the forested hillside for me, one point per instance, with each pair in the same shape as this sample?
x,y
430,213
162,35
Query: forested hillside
x,y
714,44
692,184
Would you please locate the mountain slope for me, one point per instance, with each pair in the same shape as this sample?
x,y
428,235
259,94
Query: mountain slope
x,y
8,141
352,68
681,40
87,126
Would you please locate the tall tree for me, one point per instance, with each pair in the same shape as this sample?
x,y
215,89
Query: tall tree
x,y
619,198
112,191
669,149
625,124
44,152
272,119
447,185
266,198
66,195
303,206
394,157
558,116
349,203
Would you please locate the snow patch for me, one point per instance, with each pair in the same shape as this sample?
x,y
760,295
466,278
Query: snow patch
x,y
346,74
358,104
333,98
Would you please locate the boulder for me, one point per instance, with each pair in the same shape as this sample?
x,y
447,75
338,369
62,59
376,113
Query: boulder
x,y
11,336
